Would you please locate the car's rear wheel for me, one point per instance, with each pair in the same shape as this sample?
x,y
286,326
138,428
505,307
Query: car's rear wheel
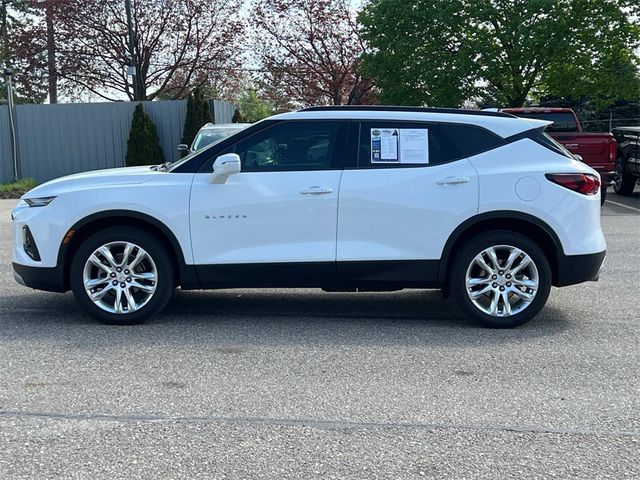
x,y
121,276
501,279
624,182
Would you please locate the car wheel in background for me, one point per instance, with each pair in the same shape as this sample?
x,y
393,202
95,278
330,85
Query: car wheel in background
x,y
624,182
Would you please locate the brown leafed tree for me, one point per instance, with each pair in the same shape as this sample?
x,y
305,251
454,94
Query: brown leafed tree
x,y
178,44
311,49
18,54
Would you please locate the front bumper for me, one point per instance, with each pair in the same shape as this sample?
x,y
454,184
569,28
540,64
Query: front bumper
x,y
573,269
40,278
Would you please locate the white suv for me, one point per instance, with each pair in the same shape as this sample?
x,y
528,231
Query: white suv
x,y
480,204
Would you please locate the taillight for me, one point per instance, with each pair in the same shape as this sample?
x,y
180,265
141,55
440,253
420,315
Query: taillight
x,y
613,150
578,182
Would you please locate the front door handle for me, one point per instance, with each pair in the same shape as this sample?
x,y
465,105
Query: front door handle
x,y
317,191
453,180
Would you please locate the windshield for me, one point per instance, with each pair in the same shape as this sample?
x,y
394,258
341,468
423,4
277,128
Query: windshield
x,y
209,137
562,122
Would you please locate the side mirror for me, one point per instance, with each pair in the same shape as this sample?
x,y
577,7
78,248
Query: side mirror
x,y
183,148
225,166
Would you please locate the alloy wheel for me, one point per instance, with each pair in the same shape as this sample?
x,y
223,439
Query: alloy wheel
x,y
502,281
120,277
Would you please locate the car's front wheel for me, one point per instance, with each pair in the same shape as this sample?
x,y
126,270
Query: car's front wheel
x,y
121,276
501,279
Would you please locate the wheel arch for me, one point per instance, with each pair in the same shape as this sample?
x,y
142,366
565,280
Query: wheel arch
x,y
81,230
534,228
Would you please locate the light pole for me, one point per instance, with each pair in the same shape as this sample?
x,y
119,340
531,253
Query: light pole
x,y
17,173
132,68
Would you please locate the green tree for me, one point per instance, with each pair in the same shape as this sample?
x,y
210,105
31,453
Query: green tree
x,y
253,107
198,113
443,52
143,147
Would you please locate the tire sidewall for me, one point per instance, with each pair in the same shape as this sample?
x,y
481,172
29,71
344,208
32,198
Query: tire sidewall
x,y
472,248
624,183
151,245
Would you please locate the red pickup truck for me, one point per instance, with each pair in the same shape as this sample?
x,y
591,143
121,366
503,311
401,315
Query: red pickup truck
x,y
598,150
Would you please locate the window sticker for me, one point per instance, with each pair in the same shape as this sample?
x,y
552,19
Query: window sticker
x,y
414,145
400,145
384,145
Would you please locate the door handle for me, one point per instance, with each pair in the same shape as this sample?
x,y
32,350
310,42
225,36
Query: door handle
x,y
453,180
317,191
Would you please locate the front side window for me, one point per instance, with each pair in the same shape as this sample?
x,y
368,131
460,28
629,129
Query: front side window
x,y
292,146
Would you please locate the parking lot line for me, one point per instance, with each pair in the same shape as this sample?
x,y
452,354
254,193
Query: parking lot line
x,y
623,206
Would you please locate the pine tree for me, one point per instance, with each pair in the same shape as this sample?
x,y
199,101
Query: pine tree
x,y
143,146
198,113
237,117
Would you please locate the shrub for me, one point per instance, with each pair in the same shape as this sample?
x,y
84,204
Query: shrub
x,y
198,113
143,146
17,189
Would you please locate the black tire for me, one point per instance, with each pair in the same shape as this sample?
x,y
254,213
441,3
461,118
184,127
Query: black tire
x,y
603,194
464,259
624,183
163,286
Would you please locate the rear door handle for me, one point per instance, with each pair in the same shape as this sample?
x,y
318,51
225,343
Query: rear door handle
x,y
453,180
317,191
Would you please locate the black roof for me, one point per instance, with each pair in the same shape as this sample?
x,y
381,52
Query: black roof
x,y
393,108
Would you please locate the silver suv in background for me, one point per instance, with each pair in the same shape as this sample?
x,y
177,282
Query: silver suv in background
x,y
212,133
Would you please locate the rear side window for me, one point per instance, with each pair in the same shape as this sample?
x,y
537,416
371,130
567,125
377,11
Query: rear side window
x,y
444,142
385,144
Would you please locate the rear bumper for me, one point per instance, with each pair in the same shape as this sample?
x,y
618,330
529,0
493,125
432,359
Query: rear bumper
x,y
40,278
573,269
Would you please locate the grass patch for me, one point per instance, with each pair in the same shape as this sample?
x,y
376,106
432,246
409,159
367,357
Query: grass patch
x,y
17,189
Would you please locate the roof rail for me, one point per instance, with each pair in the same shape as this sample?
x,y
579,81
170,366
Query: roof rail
x,y
394,108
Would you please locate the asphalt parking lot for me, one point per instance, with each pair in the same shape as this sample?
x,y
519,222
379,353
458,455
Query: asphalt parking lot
x,y
304,384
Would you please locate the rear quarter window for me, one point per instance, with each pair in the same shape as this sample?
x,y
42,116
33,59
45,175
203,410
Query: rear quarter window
x,y
471,140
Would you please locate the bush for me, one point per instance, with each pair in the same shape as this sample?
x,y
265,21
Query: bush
x,y
237,117
143,146
17,189
198,114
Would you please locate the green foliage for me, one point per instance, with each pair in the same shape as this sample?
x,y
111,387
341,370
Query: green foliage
x,y
198,114
17,189
237,117
442,52
143,147
253,107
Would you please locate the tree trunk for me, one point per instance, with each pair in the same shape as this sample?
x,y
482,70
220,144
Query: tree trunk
x,y
51,56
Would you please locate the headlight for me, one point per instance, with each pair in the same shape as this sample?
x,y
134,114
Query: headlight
x,y
39,202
